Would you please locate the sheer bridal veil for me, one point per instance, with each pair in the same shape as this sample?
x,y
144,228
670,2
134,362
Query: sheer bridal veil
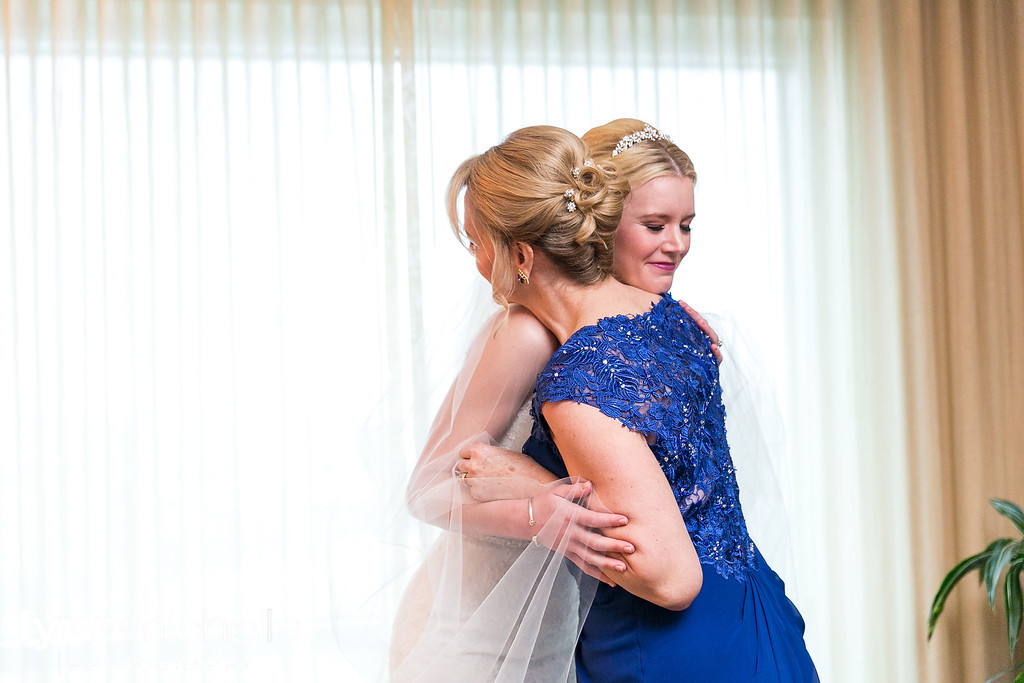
x,y
477,607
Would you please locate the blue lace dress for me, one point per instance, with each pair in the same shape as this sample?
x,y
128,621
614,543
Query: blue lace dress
x,y
656,375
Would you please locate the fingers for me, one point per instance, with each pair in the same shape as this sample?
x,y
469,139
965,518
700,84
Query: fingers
x,y
573,489
601,520
608,563
716,342
706,329
471,459
578,534
462,466
598,549
699,319
717,352
590,570
600,543
469,450
576,492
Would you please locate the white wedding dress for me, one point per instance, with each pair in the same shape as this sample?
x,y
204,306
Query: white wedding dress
x,y
484,608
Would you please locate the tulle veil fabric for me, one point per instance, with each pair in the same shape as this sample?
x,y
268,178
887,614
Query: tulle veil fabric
x,y
488,608
481,607
435,601
757,443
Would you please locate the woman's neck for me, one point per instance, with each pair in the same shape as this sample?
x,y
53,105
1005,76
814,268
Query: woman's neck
x,y
564,307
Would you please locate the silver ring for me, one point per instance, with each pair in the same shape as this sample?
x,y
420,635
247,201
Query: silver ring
x,y
720,344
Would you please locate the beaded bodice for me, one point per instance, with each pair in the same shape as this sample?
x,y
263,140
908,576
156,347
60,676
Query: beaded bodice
x,y
655,374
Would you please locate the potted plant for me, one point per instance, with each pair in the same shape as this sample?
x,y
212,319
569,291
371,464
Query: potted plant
x,y
1003,553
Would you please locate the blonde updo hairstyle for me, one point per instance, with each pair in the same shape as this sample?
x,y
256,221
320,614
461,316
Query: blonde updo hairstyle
x,y
516,192
644,160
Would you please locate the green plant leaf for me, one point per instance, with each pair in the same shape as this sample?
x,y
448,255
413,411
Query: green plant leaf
x,y
999,675
988,552
1014,604
1002,550
1011,511
952,578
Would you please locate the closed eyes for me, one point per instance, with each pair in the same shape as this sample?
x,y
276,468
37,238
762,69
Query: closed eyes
x,y
660,226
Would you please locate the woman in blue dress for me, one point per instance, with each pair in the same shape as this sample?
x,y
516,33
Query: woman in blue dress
x,y
632,403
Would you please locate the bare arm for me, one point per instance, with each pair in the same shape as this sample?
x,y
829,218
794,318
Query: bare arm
x,y
491,387
486,399
664,568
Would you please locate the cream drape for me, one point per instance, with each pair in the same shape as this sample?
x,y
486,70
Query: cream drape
x,y
954,74
229,302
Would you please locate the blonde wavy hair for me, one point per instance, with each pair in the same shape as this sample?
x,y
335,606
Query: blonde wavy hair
x,y
644,160
516,192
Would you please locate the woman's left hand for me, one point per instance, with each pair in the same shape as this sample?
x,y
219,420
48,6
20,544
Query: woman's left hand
x,y
492,473
569,526
497,473
716,343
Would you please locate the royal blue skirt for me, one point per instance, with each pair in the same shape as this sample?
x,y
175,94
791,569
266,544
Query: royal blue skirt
x,y
734,631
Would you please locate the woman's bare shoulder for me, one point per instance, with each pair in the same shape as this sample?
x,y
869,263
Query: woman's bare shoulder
x,y
526,336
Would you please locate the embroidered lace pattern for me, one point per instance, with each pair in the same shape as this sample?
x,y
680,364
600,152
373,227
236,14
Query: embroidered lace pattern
x,y
655,374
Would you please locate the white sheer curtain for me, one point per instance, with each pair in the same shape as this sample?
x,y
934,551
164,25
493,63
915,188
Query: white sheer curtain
x,y
230,302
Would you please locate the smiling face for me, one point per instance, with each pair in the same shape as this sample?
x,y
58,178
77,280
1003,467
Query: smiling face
x,y
654,233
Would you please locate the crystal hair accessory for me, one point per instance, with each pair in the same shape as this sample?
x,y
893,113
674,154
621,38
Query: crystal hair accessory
x,y
570,205
648,133
576,171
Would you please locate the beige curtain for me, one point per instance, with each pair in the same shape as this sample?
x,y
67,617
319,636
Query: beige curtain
x,y
954,74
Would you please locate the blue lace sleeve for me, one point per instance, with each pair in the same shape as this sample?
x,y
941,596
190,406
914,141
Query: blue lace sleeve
x,y
584,370
656,375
